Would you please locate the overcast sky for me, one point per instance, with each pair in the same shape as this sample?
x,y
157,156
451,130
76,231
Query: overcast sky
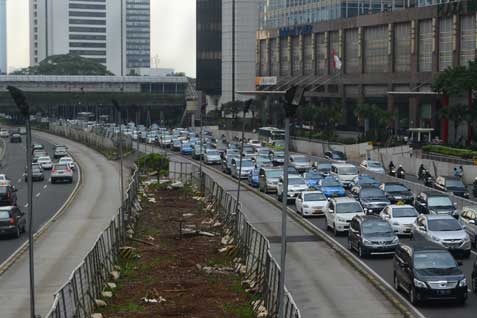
x,y
172,34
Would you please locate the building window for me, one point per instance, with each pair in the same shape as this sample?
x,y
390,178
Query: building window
x,y
445,43
308,54
467,39
320,53
274,54
296,56
351,59
425,46
284,58
375,49
263,58
334,49
402,47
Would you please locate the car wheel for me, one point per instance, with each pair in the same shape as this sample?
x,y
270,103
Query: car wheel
x,y
412,296
335,231
17,232
350,246
361,253
396,282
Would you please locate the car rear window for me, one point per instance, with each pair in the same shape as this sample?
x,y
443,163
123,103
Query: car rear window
x,y
4,215
60,149
60,167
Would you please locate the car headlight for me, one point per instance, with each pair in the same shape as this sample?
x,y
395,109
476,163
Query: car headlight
x,y
367,242
467,238
340,219
395,240
463,283
419,284
435,238
396,223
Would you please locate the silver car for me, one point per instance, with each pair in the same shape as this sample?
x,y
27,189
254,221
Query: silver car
x,y
212,156
467,219
247,167
300,163
61,172
443,230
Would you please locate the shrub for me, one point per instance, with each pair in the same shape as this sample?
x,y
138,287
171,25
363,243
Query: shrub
x,y
154,162
450,151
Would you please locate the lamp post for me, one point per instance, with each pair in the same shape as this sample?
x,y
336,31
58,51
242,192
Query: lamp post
x,y
118,110
239,186
22,104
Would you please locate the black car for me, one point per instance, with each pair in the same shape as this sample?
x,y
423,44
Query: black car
x,y
8,195
335,155
397,192
277,157
434,203
371,235
426,271
12,221
36,173
474,277
451,184
372,199
15,138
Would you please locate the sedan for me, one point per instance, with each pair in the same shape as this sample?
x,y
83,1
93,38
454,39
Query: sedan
x,y
373,166
400,217
12,221
45,162
36,174
212,157
247,167
186,149
296,185
311,203
336,156
300,162
331,187
253,178
468,219
312,178
397,192
69,161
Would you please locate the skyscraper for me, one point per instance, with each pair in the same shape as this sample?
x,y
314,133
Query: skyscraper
x,y
3,37
138,34
94,29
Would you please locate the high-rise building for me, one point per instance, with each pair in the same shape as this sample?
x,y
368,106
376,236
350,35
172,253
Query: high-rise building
x,y
138,34
94,29
3,37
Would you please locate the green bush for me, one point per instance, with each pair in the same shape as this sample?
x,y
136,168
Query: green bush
x,y
450,151
154,162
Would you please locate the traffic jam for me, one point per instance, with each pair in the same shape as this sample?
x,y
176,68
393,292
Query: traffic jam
x,y
54,167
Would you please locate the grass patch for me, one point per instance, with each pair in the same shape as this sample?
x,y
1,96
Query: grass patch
x,y
242,311
451,151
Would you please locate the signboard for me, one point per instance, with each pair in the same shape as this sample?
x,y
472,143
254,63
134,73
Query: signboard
x,y
266,81
295,31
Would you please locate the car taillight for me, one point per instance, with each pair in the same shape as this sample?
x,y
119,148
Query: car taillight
x,y
53,170
68,169
12,221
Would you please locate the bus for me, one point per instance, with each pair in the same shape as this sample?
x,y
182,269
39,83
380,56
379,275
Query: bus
x,y
271,135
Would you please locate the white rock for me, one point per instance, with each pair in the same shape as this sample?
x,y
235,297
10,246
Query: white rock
x,y
115,275
107,294
100,303
111,285
177,185
97,315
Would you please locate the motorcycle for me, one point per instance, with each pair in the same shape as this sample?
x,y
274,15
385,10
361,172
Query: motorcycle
x,y
428,180
423,174
392,171
401,174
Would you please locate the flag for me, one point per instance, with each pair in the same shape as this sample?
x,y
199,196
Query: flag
x,y
336,61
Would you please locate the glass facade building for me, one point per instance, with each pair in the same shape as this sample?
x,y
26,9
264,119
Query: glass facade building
x,y
138,34
3,37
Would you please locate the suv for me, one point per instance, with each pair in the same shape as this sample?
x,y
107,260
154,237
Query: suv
x,y
61,172
15,138
370,235
296,185
372,199
453,185
345,173
426,271
397,192
443,230
434,203
12,221
60,151
8,195
467,219
340,211
268,179
247,167
337,156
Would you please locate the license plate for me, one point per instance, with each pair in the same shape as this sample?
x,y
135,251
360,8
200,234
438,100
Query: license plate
x,y
444,292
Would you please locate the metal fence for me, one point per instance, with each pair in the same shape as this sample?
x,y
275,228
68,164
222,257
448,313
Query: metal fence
x,y
261,269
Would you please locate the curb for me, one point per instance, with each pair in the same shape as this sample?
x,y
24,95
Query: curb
x,y
23,248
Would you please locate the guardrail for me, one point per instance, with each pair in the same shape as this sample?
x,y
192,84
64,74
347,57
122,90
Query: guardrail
x,y
454,160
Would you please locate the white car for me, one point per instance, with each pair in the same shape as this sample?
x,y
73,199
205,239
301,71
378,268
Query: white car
x,y
345,173
45,162
340,211
69,161
373,166
400,217
255,143
300,163
247,167
309,203
296,185
4,133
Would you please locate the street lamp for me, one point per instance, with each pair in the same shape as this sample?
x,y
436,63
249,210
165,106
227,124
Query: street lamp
x,y
22,104
118,110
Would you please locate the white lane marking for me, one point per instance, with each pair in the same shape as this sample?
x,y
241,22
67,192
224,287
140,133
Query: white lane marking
x,y
26,205
45,186
38,194
475,253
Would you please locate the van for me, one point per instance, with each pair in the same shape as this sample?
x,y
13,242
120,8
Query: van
x,y
345,173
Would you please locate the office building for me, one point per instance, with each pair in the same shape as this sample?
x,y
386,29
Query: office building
x,y
94,29
3,36
138,34
389,58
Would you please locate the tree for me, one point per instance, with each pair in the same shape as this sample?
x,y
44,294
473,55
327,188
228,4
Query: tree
x,y
65,64
458,114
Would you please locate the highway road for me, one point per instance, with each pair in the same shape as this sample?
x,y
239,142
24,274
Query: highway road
x,y
47,197
382,266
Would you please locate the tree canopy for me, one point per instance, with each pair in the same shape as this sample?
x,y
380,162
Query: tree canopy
x,y
65,64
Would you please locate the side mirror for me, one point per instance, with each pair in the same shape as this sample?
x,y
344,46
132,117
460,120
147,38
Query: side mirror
x,y
455,203
472,222
422,228
331,211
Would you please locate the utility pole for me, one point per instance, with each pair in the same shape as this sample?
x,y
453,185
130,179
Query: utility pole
x,y
120,139
233,50
239,186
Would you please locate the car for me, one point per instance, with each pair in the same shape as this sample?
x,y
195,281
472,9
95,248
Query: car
x,y
212,157
198,152
373,166
22,131
186,148
372,199
253,178
340,211
176,144
261,161
37,147
247,167
345,173
263,152
426,271
277,157
165,141
69,161
363,181
336,156
15,138
451,184
371,235
400,217
397,192
227,163
432,202
4,133
331,187
254,143
312,178
310,203
443,230
60,151
324,169
468,220
8,194
12,221
36,173
296,185
300,162
4,179
45,162
37,154
61,172
268,179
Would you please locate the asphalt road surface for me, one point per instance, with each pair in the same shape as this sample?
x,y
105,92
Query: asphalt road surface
x,y
47,197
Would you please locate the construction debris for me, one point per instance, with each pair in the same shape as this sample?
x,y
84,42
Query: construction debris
x,y
177,185
100,303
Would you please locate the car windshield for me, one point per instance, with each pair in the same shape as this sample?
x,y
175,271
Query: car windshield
x,y
376,227
366,180
452,183
245,163
4,215
263,160
348,171
35,170
296,181
324,167
273,173
60,149
279,154
330,183
212,153
443,201
445,225
434,260
371,193
395,188
407,212
312,175
314,197
338,155
349,207
44,159
301,159
374,164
